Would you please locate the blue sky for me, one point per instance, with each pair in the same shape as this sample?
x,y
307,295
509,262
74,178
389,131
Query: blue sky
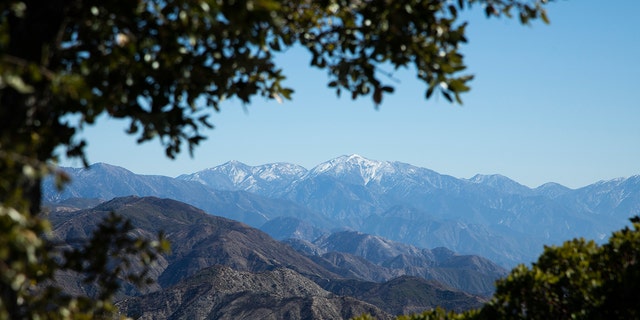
x,y
554,102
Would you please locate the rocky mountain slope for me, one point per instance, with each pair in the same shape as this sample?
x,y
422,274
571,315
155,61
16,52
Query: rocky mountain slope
x,y
221,292
198,240
407,295
219,268
355,252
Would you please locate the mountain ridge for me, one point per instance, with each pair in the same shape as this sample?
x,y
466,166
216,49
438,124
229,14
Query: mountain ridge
x,y
490,215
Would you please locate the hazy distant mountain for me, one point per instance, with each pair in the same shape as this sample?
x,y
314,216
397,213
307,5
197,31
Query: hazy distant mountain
x,y
282,228
103,181
489,215
501,184
468,273
551,190
373,248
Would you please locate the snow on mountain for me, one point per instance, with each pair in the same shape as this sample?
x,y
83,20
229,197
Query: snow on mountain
x,y
349,169
275,171
358,170
611,197
353,169
235,175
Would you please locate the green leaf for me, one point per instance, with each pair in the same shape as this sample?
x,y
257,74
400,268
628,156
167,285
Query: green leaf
x,y
377,95
453,11
15,81
430,91
388,89
286,93
447,96
543,16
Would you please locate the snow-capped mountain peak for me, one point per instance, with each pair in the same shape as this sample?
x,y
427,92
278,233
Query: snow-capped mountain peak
x,y
236,170
235,175
353,168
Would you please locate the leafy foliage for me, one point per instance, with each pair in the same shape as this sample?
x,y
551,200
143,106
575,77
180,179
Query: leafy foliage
x,y
164,65
576,280
31,261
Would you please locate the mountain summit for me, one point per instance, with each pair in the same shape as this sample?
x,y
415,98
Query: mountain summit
x,y
354,169
501,183
235,176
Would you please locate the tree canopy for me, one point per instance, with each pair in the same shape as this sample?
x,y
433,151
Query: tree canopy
x,y
163,65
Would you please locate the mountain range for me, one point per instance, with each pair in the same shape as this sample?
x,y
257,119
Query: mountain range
x,y
222,269
488,215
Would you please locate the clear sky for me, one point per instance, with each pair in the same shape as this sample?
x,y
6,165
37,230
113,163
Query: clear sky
x,y
550,103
